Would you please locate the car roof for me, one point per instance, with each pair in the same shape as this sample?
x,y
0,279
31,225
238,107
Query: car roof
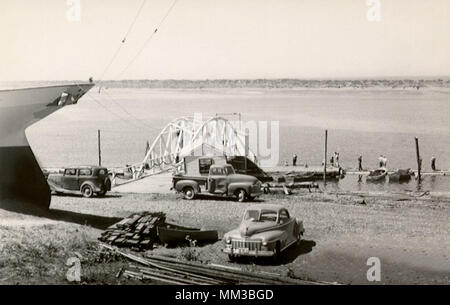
x,y
266,206
86,166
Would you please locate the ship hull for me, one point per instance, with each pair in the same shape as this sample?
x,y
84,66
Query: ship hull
x,y
23,186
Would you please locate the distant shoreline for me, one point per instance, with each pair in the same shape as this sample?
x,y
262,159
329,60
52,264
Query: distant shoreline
x,y
415,84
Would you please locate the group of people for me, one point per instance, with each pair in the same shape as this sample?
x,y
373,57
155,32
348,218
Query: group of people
x,y
334,161
382,160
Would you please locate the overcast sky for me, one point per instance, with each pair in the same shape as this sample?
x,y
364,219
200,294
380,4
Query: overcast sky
x,y
225,39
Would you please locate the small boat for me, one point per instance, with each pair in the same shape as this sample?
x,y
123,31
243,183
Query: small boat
x,y
299,177
400,175
174,234
377,175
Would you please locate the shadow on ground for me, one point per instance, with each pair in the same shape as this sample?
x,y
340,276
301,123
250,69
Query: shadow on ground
x,y
98,222
95,221
288,256
106,196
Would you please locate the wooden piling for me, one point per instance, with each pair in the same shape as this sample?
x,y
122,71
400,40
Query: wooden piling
x,y
325,160
246,151
419,165
99,149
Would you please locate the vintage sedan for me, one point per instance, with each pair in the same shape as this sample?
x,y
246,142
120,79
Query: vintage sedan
x,y
89,180
265,230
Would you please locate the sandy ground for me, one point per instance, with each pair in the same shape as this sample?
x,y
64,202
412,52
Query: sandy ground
x,y
159,183
410,236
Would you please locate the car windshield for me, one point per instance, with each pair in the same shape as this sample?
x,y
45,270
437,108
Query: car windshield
x,y
261,216
229,170
252,215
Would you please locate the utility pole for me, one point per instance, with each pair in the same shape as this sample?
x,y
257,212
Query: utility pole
x,y
419,165
246,151
325,159
99,149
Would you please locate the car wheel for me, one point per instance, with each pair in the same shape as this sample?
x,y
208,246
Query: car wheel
x,y
241,195
87,191
189,193
299,239
277,253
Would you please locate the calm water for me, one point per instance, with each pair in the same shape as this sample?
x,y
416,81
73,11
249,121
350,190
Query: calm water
x,y
370,123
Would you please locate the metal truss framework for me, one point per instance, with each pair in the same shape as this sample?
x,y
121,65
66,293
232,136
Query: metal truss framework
x,y
187,136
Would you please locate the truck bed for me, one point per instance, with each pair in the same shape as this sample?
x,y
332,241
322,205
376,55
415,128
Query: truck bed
x,y
201,180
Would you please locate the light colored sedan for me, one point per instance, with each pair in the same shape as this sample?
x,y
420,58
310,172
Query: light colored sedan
x,y
265,230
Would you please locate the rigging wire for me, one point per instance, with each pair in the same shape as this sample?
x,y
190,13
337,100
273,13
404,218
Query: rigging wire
x,y
123,41
126,122
116,53
148,39
131,115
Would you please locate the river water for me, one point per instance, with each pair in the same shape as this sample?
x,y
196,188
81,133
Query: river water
x,y
369,122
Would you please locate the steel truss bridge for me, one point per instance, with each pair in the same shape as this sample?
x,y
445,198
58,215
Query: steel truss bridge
x,y
191,136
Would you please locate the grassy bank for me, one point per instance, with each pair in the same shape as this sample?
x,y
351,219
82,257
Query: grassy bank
x,y
410,236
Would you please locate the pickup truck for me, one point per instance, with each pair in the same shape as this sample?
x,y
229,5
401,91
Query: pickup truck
x,y
221,180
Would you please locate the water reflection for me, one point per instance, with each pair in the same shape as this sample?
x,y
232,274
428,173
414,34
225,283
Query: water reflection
x,y
359,184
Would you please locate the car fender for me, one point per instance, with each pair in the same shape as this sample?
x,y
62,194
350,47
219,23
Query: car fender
x,y
300,227
94,187
180,185
54,186
272,236
108,183
233,187
55,178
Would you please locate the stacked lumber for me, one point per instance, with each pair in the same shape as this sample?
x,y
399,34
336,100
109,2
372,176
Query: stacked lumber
x,y
137,231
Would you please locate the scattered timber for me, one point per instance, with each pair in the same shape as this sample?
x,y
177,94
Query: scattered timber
x,y
176,272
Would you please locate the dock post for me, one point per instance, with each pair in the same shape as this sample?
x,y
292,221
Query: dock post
x,y
99,149
419,165
325,159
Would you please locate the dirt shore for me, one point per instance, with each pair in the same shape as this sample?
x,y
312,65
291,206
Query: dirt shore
x,y
410,236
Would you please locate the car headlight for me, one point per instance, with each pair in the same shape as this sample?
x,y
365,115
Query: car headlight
x,y
264,243
228,241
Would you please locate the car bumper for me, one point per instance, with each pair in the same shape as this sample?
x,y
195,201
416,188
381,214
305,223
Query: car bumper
x,y
245,252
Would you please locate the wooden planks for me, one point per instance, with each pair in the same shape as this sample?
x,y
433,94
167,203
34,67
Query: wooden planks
x,y
137,231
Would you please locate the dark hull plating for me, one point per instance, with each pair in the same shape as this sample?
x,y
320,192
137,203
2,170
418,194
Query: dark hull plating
x,y
22,182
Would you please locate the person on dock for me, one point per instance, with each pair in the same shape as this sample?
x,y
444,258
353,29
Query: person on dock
x,y
332,161
294,160
336,159
360,168
433,163
380,161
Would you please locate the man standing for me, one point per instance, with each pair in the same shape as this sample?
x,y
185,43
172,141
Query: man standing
x,y
433,163
360,168
294,160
